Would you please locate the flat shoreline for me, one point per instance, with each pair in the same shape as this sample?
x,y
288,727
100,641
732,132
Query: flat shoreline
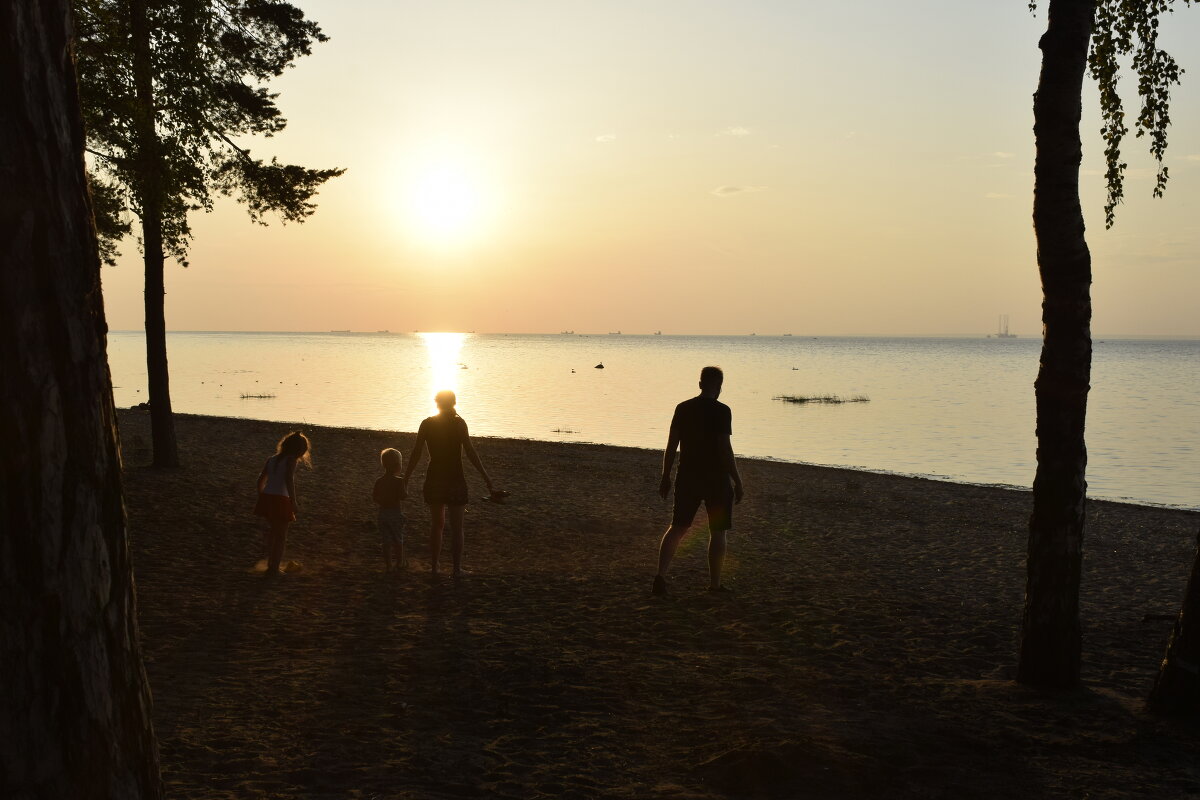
x,y
866,650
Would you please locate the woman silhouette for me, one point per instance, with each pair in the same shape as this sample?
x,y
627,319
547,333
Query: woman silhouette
x,y
445,436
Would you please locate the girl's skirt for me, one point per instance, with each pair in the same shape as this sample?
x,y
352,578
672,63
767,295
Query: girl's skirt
x,y
275,507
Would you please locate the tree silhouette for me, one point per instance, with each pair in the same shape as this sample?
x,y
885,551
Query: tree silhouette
x,y
75,708
169,89
1091,35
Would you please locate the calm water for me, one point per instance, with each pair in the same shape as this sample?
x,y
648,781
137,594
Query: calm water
x,y
960,409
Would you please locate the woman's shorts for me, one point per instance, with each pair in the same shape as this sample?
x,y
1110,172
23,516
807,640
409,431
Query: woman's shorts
x,y
391,526
275,507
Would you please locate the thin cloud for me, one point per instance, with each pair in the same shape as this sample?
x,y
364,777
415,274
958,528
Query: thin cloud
x,y
1001,154
730,191
997,196
1194,157
605,138
737,130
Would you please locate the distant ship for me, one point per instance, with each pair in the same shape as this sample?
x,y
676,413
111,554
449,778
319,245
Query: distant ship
x,y
658,333
1002,329
347,330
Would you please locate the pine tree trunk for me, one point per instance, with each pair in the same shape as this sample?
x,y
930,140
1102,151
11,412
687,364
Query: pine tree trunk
x,y
1177,687
162,422
1050,634
74,705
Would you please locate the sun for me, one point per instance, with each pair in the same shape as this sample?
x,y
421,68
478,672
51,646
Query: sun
x,y
446,205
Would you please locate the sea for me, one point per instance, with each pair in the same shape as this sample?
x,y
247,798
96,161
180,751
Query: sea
x,y
958,409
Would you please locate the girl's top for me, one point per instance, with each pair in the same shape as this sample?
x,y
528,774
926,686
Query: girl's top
x,y
277,472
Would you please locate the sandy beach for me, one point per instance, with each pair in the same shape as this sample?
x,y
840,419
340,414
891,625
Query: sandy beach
x,y
866,649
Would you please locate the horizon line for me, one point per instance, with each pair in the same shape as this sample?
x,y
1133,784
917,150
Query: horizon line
x,y
971,335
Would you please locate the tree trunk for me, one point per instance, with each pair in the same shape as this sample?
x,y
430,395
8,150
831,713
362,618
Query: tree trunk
x,y
74,703
1177,687
162,423
1050,635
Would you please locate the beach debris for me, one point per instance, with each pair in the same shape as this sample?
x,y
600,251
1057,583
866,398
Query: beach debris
x,y
830,399
257,396
498,496
600,365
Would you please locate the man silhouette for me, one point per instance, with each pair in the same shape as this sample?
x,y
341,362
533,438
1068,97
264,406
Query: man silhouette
x,y
700,430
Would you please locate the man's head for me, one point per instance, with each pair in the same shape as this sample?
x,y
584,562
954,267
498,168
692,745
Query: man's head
x,y
711,379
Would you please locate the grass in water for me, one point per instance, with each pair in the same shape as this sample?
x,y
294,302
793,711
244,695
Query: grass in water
x,y
831,399
257,396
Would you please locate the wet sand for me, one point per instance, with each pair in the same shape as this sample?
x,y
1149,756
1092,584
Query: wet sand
x,y
866,649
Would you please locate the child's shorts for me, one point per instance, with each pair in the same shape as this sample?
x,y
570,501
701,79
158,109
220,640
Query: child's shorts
x,y
391,526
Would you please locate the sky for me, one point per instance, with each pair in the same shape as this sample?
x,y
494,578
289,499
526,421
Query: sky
x,y
689,166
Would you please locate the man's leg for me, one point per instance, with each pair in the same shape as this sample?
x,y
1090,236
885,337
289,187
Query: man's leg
x,y
668,545
684,512
720,515
716,558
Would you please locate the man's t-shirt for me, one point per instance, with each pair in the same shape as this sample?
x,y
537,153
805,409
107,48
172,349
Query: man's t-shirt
x,y
701,424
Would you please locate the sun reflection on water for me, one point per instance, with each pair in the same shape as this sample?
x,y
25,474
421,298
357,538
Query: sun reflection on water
x,y
444,366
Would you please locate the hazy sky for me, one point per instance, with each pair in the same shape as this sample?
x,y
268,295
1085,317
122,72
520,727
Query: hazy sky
x,y
685,165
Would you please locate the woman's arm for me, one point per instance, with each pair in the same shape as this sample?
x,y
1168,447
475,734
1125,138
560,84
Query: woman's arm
x,y
415,456
472,456
262,477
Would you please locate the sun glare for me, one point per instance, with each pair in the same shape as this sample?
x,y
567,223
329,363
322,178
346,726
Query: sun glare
x,y
446,206
443,350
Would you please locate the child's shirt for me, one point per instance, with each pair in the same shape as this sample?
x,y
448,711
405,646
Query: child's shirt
x,y
389,491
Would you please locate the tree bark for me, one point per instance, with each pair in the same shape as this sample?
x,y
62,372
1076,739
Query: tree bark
x,y
74,704
1050,634
162,421
1177,687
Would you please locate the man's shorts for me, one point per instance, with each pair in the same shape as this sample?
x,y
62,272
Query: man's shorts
x,y
717,497
391,526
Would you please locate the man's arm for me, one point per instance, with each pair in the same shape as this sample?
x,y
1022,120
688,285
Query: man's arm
x,y
731,468
664,486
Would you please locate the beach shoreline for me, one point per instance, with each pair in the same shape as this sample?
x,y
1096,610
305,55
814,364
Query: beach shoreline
x,y
867,649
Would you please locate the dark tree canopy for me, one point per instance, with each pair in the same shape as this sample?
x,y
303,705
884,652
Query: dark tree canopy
x,y
210,61
170,88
